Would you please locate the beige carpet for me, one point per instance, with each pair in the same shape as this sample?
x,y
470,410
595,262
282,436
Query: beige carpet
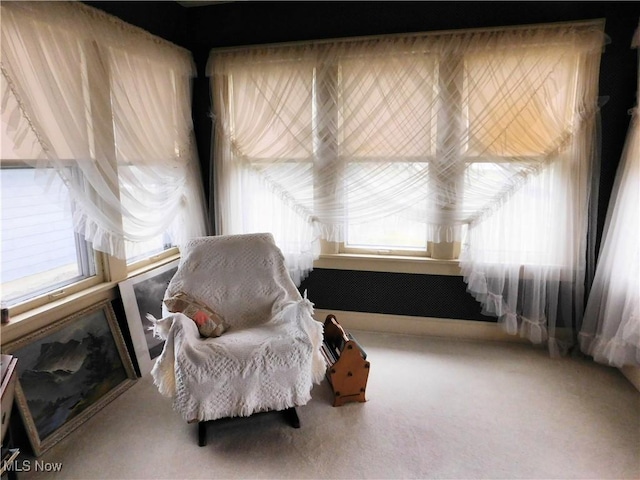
x,y
436,408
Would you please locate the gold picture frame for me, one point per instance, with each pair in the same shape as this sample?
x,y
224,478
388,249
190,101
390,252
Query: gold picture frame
x,y
68,371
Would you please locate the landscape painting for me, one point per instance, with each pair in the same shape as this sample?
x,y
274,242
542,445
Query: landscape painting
x,y
142,295
68,371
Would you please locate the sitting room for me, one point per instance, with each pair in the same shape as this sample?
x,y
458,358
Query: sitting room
x,y
320,239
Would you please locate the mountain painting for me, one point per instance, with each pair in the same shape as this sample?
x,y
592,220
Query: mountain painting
x,y
67,370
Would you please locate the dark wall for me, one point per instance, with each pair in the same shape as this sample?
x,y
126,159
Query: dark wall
x,y
245,23
164,19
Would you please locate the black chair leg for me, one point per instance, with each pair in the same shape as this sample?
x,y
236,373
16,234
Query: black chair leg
x,y
291,416
202,433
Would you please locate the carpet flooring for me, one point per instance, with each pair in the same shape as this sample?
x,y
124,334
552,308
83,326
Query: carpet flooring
x,y
437,408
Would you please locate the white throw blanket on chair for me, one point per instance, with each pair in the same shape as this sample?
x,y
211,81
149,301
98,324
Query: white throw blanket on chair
x,y
270,356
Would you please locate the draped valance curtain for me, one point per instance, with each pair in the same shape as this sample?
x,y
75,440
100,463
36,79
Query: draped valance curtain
x,y
482,137
611,328
107,107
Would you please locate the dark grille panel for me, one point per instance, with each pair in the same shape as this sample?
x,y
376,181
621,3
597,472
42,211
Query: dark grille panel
x,y
438,296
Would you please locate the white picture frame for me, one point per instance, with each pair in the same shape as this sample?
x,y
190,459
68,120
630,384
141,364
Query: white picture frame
x,y
142,295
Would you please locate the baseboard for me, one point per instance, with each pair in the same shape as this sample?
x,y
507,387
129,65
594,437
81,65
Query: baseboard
x,y
428,326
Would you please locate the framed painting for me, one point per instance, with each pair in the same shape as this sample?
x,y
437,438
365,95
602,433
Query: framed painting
x,y
142,295
68,371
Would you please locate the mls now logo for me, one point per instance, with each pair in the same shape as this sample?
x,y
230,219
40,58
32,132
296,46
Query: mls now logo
x,y
29,465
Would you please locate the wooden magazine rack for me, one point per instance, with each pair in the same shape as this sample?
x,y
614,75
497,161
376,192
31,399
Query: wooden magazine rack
x,y
347,365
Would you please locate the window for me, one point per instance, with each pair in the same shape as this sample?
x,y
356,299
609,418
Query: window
x,y
158,243
106,109
40,250
387,136
402,144
145,131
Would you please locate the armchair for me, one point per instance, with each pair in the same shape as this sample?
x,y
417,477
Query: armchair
x,y
269,355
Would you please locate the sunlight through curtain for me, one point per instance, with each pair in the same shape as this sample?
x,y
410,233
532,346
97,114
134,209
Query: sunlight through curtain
x,y
488,134
109,107
611,328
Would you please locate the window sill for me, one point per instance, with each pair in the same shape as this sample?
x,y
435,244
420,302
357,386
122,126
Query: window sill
x,y
388,263
37,318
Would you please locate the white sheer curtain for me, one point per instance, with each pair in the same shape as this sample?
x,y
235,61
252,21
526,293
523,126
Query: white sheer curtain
x,y
611,328
488,130
525,256
110,108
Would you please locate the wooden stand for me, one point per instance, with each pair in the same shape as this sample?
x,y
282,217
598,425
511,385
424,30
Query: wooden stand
x,y
347,365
